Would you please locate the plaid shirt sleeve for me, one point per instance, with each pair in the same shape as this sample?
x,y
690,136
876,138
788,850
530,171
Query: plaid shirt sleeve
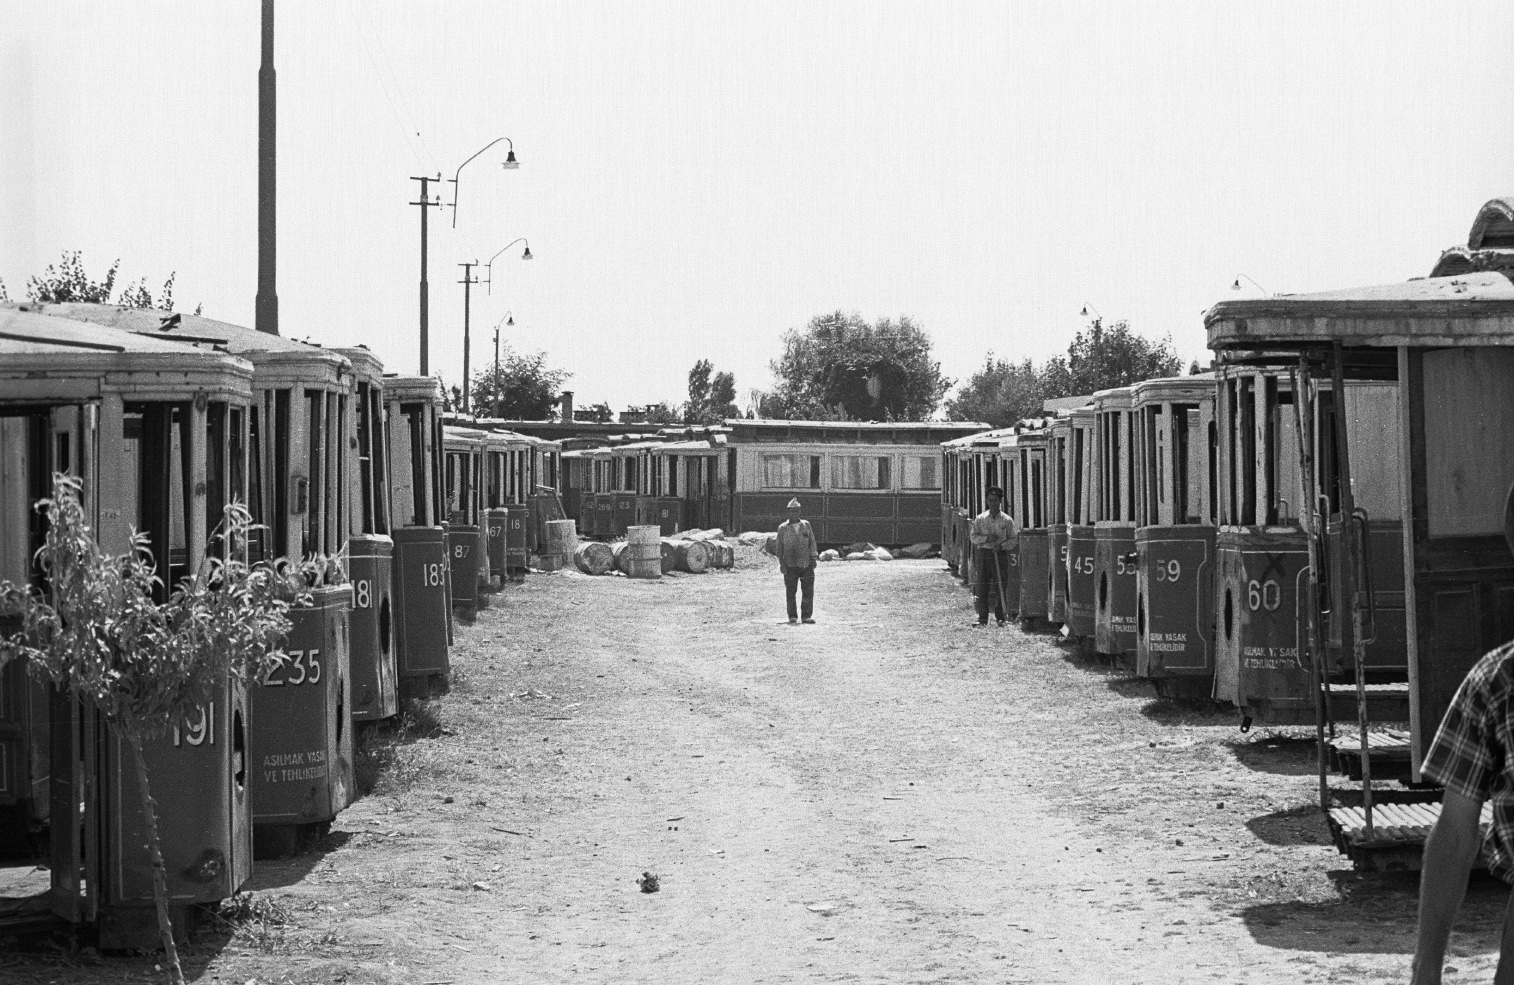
x,y
1465,756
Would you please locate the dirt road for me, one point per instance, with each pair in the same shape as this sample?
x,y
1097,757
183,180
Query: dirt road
x,y
889,795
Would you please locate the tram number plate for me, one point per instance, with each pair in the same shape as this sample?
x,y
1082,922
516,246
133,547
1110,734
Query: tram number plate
x,y
432,575
302,667
200,733
1169,570
363,593
494,531
1083,565
1264,595
460,551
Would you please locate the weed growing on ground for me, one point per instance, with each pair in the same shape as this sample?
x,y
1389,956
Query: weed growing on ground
x,y
392,760
259,923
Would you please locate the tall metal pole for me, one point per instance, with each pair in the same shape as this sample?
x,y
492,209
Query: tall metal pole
x,y
425,204
498,390
467,283
266,307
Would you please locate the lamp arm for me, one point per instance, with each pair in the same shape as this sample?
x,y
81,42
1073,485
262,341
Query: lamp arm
x,y
458,173
489,267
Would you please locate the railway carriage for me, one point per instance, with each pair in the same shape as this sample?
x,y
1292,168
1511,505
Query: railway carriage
x,y
1437,456
467,532
1114,549
1175,544
297,485
878,483
1082,510
158,434
1022,469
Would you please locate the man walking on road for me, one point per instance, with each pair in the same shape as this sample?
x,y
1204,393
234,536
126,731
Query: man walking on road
x,y
797,554
1473,756
993,535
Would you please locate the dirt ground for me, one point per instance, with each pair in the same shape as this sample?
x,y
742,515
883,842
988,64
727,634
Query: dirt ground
x,y
889,795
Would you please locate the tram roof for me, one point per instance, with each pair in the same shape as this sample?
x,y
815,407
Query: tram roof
x,y
749,430
427,389
1116,398
298,360
365,365
1174,387
460,436
1469,309
989,438
45,347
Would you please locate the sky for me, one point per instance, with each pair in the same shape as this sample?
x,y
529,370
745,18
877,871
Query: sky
x,y
698,178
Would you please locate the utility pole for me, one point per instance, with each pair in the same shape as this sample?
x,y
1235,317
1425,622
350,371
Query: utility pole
x,y
468,281
498,391
426,204
266,306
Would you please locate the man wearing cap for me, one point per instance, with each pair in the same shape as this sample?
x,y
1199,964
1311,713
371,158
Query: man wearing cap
x,y
1473,756
797,554
993,535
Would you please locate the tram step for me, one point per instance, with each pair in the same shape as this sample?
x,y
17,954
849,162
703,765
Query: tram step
x,y
1389,749
1399,831
1385,702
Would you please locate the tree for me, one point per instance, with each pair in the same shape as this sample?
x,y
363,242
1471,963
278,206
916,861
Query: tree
x,y
662,415
524,389
840,367
69,282
99,633
1003,392
999,394
712,399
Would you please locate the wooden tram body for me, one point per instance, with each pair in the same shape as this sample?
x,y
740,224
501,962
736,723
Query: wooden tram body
x,y
878,483
158,433
1114,553
677,488
1437,456
1021,469
370,548
463,451
1082,510
1055,495
421,571
300,429
1175,533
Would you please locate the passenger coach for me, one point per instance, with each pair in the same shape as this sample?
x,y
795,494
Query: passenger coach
x,y
879,483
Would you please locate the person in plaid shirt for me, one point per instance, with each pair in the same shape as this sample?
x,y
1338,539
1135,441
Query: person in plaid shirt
x,y
1472,756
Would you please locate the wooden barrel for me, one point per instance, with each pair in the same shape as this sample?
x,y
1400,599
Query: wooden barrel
x,y
669,550
594,558
562,541
692,556
643,551
622,559
722,555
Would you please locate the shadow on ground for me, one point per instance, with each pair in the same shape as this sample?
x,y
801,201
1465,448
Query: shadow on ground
x,y
1295,826
1282,755
1376,914
278,872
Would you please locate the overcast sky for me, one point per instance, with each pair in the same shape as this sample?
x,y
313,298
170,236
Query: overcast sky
x,y
697,178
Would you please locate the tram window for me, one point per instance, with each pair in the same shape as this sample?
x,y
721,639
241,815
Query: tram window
x,y
1186,482
1373,437
630,485
1214,472
1077,476
496,476
859,472
1113,474
920,472
1246,428
24,479
1281,459
315,436
155,450
365,459
1469,431
280,485
1035,494
790,471
673,475
215,472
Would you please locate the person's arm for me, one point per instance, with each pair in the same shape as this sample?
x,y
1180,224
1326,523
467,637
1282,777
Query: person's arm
x,y
809,532
975,534
1450,852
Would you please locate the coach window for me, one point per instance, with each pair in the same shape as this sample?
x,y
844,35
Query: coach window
x,y
861,472
789,471
920,472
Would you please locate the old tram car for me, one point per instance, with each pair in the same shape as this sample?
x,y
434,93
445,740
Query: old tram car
x,y
1022,467
1175,532
158,434
1114,554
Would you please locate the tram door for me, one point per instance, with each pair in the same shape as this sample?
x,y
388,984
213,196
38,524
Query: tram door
x,y
1461,438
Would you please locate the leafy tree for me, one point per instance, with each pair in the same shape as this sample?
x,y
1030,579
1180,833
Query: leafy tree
x,y
840,367
1101,358
69,282
1000,393
524,389
712,399
98,632
1003,392
662,415
599,413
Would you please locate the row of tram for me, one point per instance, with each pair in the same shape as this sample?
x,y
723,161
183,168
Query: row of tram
x,y
165,419
1312,533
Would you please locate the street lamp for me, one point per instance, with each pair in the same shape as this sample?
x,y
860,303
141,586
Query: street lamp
x,y
489,267
510,165
1087,308
1237,285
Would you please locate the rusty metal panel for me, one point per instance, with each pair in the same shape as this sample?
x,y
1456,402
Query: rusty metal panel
x,y
301,738
1261,628
1081,584
1056,559
498,519
464,562
1175,601
422,612
515,540
375,673
1035,578
1114,562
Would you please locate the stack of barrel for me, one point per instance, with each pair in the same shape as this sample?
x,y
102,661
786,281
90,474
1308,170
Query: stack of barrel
x,y
562,543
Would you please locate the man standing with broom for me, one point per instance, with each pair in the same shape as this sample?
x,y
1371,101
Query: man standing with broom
x,y
993,535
